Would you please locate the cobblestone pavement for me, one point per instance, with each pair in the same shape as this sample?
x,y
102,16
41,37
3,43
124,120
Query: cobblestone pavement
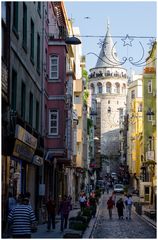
x,y
115,228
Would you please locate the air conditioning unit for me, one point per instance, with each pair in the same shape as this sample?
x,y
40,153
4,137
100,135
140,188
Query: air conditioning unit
x,y
153,123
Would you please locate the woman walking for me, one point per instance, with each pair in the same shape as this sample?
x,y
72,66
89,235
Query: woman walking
x,y
120,207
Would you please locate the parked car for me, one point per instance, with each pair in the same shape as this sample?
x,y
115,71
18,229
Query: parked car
x,y
119,188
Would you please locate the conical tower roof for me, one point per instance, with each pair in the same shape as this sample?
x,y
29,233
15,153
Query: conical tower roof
x,y
108,55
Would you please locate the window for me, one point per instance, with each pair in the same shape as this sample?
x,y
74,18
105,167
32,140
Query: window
x,y
150,144
108,73
4,12
15,16
108,101
31,109
108,87
92,89
24,25
53,122
4,44
77,99
54,67
14,90
117,87
32,41
109,109
46,60
37,115
149,86
23,99
140,107
133,94
99,88
150,118
38,52
39,8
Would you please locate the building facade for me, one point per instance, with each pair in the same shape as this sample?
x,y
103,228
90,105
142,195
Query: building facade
x,y
25,146
149,160
108,86
135,128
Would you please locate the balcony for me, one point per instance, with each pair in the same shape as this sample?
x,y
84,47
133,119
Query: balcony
x,y
77,85
149,70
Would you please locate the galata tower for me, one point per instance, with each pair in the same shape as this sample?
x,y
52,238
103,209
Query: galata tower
x,y
108,88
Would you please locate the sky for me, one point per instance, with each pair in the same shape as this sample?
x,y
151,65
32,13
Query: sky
x,y
132,18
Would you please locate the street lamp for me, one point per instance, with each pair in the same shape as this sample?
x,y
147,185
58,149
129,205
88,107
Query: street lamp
x,y
72,40
149,112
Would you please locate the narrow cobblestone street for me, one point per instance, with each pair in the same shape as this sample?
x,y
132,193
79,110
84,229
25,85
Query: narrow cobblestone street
x,y
115,228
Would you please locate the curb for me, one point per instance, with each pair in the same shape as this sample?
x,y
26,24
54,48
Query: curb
x,y
145,219
89,231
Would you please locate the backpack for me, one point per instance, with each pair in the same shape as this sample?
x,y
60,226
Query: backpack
x,y
129,201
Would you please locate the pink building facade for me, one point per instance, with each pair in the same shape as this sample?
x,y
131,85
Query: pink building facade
x,y
55,109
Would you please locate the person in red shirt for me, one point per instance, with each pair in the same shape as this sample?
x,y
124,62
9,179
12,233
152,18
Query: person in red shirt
x,y
110,205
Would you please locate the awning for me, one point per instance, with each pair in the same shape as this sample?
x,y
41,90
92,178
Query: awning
x,y
49,156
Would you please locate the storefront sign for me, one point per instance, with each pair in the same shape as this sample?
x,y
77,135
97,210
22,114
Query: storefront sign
x,y
26,137
37,160
22,151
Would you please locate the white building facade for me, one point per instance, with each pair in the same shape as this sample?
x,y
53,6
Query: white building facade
x,y
108,83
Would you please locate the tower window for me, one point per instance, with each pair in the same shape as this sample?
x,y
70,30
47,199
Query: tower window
x,y
109,109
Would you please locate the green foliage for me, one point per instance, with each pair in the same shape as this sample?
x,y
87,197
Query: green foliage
x,y
77,225
85,75
87,212
89,124
85,96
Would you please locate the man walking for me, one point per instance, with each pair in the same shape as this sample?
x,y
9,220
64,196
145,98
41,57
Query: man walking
x,y
64,211
21,218
51,213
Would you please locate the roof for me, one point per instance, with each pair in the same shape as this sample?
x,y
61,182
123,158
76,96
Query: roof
x,y
108,55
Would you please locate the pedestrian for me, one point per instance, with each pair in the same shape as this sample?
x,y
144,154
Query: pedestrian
x,y
114,198
93,204
107,187
129,203
110,205
64,210
82,201
125,204
70,200
22,218
120,207
50,205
